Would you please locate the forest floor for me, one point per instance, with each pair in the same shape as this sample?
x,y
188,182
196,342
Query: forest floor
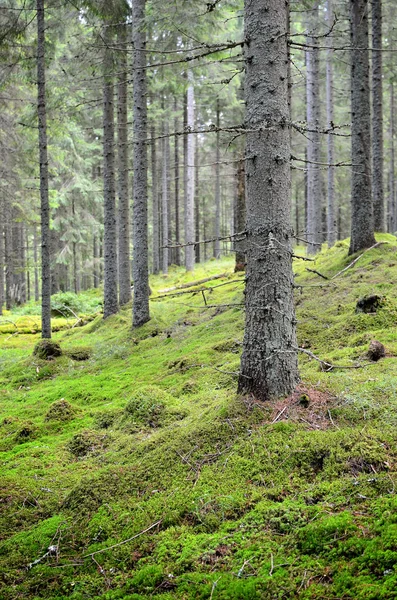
x,y
130,469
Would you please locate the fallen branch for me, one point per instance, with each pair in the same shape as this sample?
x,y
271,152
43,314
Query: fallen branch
x,y
193,283
242,234
125,541
198,290
358,258
317,273
329,366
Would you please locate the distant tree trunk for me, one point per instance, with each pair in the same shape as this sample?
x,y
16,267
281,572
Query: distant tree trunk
x,y
95,253
392,187
141,260
36,265
331,214
22,238
196,199
27,264
189,207
43,158
362,225
164,202
269,366
167,155
110,304
377,117
123,173
217,246
314,187
177,187
155,206
241,215
185,163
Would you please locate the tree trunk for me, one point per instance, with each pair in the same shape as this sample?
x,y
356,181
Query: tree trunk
x,y
43,158
2,262
155,207
269,368
362,224
95,254
331,214
217,246
197,249
123,193
314,187
189,207
141,260
164,202
241,215
392,187
36,265
177,187
377,117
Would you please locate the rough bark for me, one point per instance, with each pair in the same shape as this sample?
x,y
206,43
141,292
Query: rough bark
x,y
36,265
377,117
189,206
314,185
141,260
269,367
362,224
155,207
43,159
2,262
197,249
331,213
123,221
95,255
177,187
217,233
164,202
392,187
110,305
241,215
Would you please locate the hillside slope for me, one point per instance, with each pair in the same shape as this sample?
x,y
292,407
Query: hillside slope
x,y
137,472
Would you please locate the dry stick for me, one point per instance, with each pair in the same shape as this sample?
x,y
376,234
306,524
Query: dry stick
x,y
329,366
194,283
279,415
221,239
125,541
198,290
317,273
358,258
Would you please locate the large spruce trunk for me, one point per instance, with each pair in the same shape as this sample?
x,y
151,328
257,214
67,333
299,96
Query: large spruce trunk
x,y
269,366
331,213
362,223
377,118
141,259
43,158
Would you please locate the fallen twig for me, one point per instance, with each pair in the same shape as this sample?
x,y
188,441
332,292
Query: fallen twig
x,y
329,366
152,526
279,415
317,273
358,258
194,283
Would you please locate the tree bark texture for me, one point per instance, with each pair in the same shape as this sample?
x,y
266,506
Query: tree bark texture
x,y
165,201
123,163
189,206
217,246
331,213
377,117
269,366
177,187
43,159
197,249
241,215
314,184
362,224
155,206
141,256
392,187
110,304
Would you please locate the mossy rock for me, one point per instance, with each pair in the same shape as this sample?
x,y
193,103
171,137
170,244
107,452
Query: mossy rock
x,y
85,443
80,354
61,410
47,350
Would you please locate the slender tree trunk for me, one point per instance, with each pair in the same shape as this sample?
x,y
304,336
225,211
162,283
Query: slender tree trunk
x,y
36,265
269,366
123,163
241,215
141,260
331,214
217,246
22,238
164,202
95,253
392,187
110,305
155,206
185,163
177,187
27,264
43,158
167,156
197,200
377,117
189,207
362,225
314,191
2,261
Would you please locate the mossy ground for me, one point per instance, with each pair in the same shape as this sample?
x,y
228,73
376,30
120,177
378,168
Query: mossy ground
x,y
296,499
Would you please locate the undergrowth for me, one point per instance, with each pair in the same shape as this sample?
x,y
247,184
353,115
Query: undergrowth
x,y
131,469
